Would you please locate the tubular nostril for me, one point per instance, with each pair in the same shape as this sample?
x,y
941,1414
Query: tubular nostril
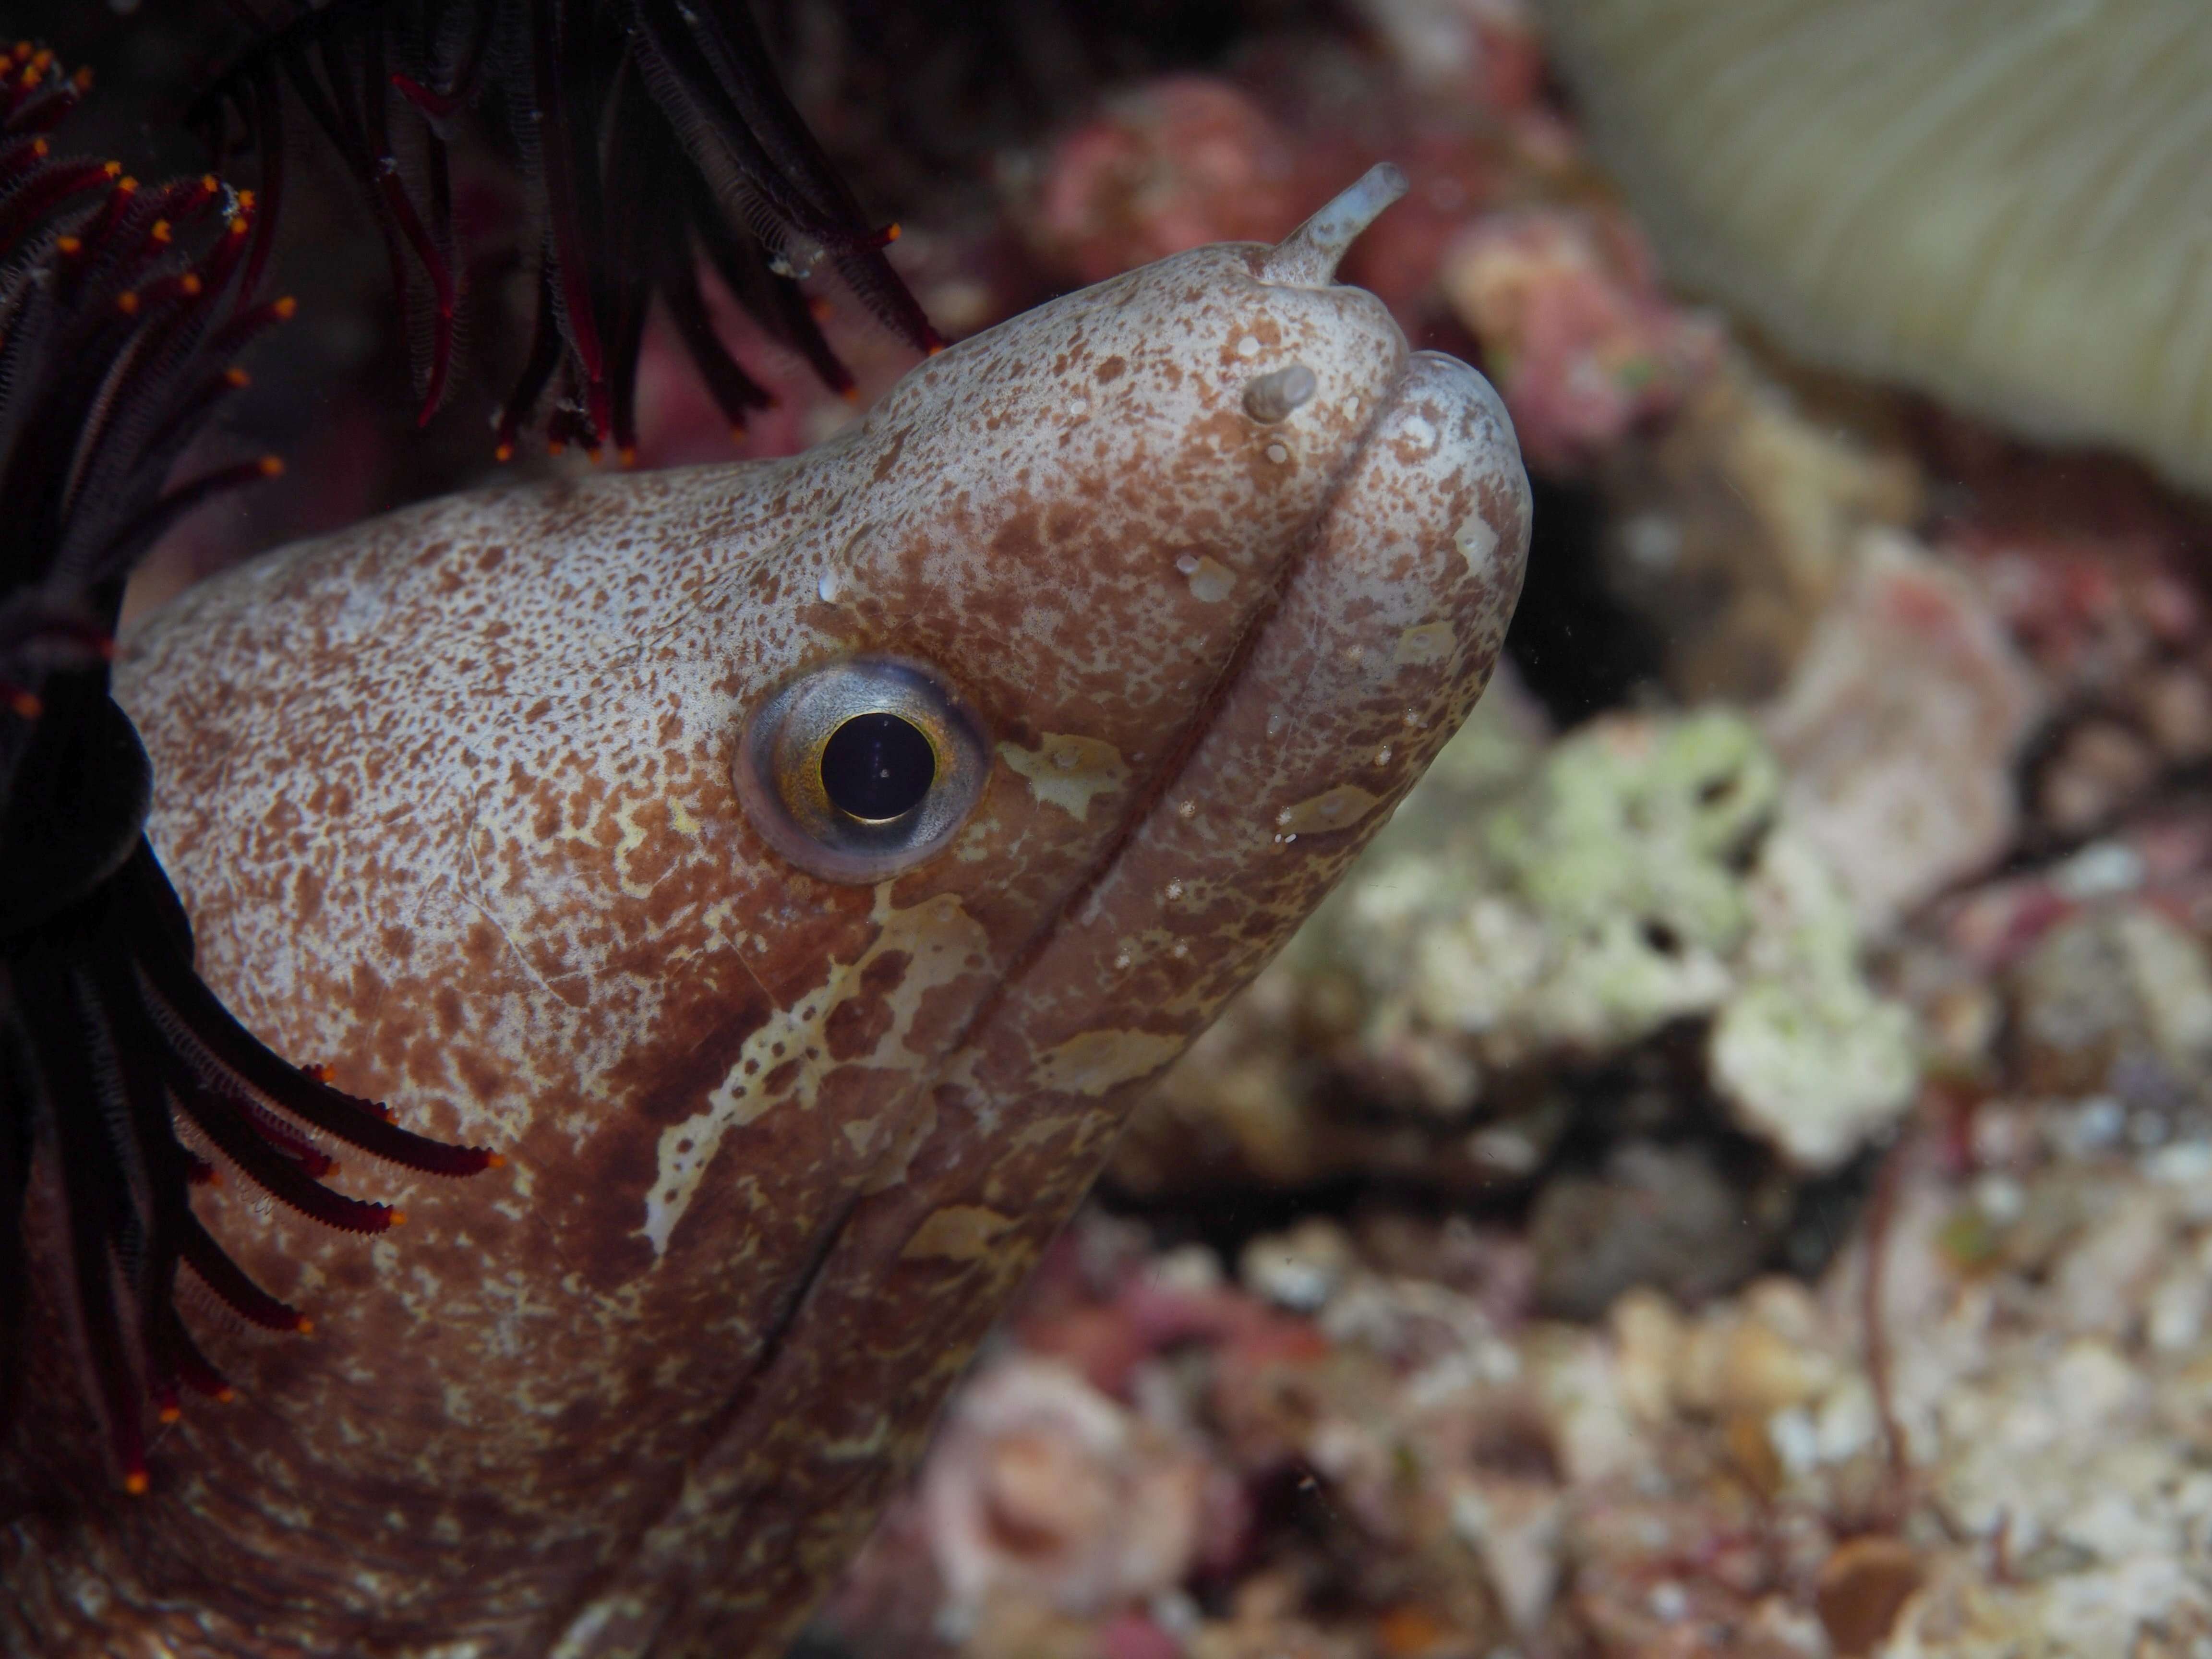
x,y
1307,256
1271,398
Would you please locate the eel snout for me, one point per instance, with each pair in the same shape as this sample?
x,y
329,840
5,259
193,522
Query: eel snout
x,y
1383,636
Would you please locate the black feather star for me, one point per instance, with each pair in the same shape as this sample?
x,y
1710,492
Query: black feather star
x,y
651,135
121,308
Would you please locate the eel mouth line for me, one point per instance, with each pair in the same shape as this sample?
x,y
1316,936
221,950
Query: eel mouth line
x,y
1161,785
1307,256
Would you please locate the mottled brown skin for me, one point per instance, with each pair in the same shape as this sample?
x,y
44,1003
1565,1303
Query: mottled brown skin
x,y
450,799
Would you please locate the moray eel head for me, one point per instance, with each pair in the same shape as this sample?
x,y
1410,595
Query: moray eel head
x,y
797,871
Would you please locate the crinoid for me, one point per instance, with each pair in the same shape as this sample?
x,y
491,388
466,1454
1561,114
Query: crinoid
x,y
121,308
649,132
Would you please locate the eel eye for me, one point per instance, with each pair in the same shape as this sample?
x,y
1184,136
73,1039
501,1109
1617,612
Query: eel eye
x,y
861,768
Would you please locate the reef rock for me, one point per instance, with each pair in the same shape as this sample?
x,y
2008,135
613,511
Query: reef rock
x,y
1530,915
1900,727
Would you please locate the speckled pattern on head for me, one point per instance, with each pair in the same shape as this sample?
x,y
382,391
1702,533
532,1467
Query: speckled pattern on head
x,y
450,799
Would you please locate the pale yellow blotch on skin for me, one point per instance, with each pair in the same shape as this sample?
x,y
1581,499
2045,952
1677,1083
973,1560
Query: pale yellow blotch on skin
x,y
939,938
680,819
892,1163
1210,581
633,837
1429,642
1096,1061
583,1633
1477,541
1332,809
1040,1130
1066,771
958,1232
860,1446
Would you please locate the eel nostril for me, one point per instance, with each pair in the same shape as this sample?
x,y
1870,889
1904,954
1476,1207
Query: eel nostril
x,y
1307,256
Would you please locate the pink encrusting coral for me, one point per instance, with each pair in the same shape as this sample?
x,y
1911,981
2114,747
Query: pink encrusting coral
x,y
1565,306
1901,726
1041,1481
1168,165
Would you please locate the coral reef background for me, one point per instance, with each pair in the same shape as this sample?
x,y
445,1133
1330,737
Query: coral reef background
x,y
1731,1172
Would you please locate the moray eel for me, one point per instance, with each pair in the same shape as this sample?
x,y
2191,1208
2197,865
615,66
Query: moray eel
x,y
797,870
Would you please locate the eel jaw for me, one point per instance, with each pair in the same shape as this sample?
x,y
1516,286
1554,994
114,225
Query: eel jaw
x,y
1385,632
